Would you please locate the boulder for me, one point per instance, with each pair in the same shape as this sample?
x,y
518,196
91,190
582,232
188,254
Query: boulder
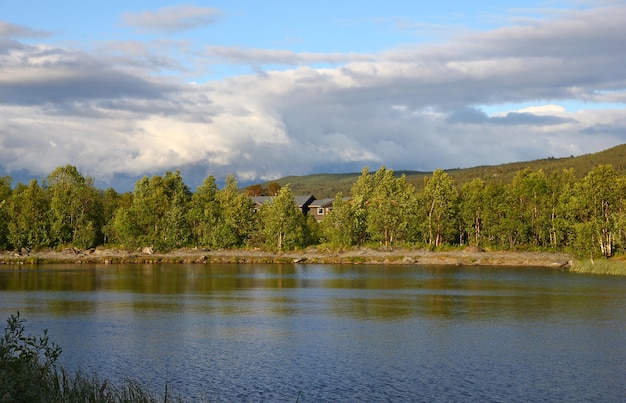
x,y
148,250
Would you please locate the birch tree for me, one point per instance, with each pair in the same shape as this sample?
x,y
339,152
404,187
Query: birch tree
x,y
237,221
204,213
157,216
282,221
361,192
440,201
598,202
337,227
389,207
472,207
5,194
75,208
29,223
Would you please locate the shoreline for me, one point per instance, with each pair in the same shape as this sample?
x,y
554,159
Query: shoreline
x,y
399,256
470,256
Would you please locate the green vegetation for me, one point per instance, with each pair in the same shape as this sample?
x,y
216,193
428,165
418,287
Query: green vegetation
x,y
283,224
29,372
601,266
555,210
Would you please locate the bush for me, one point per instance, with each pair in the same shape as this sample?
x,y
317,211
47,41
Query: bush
x,y
29,373
27,363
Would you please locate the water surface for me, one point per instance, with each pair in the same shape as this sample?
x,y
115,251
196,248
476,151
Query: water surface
x,y
334,332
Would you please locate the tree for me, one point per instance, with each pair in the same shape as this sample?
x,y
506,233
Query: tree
x,y
312,231
5,195
620,216
598,203
282,221
471,208
496,214
237,221
337,227
440,199
124,228
157,215
111,201
560,193
530,214
361,192
388,207
29,224
254,190
204,213
273,188
75,208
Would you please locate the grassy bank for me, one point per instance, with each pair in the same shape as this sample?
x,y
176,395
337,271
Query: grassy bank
x,y
614,266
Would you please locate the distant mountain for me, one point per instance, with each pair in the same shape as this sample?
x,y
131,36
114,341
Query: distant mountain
x,y
328,185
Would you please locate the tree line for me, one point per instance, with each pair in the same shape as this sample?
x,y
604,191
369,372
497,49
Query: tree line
x,y
534,211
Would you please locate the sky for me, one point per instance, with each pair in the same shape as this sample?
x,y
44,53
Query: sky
x,y
268,89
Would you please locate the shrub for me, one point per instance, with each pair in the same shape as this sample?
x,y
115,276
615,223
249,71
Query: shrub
x,y
29,373
27,363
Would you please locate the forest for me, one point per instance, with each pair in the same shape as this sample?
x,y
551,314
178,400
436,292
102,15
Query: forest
x,y
534,211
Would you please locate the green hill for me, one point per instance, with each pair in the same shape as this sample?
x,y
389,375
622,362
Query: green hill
x,y
328,185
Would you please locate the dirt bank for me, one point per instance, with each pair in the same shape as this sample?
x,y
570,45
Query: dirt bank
x,y
468,256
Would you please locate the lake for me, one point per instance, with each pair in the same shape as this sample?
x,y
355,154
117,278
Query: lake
x,y
313,333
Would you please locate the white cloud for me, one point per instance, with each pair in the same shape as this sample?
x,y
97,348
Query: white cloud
x,y
554,110
417,107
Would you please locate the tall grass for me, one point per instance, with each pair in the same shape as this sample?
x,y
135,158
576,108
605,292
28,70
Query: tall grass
x,y
615,266
29,372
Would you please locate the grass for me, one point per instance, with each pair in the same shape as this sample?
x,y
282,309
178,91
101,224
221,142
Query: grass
x,y
29,372
614,266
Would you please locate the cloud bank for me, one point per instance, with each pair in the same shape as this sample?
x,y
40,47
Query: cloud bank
x,y
416,107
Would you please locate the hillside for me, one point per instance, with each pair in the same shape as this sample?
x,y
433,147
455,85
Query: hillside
x,y
328,185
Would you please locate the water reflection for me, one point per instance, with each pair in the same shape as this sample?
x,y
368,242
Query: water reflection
x,y
360,291
334,332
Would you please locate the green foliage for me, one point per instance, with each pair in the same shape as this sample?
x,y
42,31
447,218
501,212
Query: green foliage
x,y
5,195
439,200
157,215
559,197
505,209
282,222
75,208
204,213
361,193
29,372
337,227
311,231
471,211
29,223
389,208
237,221
27,363
111,201
599,204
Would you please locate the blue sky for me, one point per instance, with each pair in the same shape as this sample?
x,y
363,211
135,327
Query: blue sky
x,y
268,89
